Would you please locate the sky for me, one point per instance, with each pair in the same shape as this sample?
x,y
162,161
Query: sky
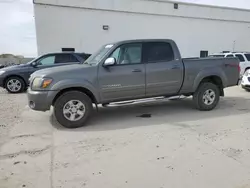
x,y
17,28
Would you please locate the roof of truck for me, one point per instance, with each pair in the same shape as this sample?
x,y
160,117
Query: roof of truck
x,y
144,40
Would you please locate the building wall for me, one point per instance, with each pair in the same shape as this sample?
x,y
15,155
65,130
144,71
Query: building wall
x,y
194,28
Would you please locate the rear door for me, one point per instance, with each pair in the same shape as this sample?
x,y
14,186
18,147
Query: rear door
x,y
126,79
164,72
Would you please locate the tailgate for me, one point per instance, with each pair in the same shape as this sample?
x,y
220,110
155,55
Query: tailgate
x,y
232,71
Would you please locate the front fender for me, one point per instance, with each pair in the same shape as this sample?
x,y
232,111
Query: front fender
x,y
71,83
209,73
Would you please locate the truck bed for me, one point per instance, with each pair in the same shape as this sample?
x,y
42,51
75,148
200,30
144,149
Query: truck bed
x,y
197,68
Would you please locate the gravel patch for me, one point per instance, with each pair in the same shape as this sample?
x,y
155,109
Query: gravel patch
x,y
11,106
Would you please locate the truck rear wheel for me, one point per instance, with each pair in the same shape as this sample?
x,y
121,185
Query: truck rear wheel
x,y
206,97
72,109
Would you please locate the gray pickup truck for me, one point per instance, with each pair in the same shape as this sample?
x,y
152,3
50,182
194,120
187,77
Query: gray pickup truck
x,y
130,70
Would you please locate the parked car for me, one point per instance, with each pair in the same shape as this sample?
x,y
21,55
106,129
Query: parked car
x,y
16,78
130,70
244,58
245,82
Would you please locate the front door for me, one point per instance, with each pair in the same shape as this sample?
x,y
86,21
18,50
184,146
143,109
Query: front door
x,y
46,61
126,79
164,71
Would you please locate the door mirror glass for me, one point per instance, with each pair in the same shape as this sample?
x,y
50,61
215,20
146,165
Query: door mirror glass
x,y
34,64
109,62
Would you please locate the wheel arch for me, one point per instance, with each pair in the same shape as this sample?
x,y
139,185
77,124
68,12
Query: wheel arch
x,y
81,89
247,69
215,80
13,75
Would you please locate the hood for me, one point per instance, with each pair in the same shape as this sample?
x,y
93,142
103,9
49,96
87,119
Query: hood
x,y
49,72
15,67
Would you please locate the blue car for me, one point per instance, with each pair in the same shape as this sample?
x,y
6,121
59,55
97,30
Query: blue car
x,y
15,79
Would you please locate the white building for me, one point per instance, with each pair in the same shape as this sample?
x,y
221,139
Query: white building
x,y
87,24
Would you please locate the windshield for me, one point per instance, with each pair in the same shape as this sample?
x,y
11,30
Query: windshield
x,y
33,60
96,57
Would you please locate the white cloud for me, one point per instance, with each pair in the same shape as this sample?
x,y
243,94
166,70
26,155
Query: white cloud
x,y
17,28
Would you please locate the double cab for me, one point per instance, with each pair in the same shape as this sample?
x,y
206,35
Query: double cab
x,y
130,70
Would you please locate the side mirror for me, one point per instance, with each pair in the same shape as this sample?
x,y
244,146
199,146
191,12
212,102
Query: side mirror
x,y
34,64
109,62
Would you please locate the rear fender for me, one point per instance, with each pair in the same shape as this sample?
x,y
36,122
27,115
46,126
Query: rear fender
x,y
209,73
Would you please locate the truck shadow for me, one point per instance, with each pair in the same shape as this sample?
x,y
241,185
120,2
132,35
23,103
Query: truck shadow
x,y
156,113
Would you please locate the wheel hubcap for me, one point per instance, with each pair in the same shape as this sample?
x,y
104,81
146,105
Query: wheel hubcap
x,y
74,110
14,85
209,97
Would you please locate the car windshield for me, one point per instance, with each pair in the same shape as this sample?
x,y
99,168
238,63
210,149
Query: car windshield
x,y
96,57
33,60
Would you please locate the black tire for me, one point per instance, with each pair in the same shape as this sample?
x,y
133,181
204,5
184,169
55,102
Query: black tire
x,y
199,93
22,88
65,98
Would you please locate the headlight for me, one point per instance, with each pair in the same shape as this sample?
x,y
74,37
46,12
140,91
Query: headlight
x,y
1,72
41,83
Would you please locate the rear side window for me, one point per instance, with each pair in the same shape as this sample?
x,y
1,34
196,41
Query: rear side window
x,y
248,57
230,55
158,52
65,58
241,58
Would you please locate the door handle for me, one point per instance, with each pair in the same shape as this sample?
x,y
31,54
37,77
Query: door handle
x,y
136,70
176,67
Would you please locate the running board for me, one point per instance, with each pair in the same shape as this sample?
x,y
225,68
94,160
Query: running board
x,y
143,100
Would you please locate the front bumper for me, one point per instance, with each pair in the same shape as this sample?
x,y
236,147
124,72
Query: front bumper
x,y
40,100
245,82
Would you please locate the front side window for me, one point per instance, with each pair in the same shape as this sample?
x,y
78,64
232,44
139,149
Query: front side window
x,y
128,54
241,58
49,60
158,52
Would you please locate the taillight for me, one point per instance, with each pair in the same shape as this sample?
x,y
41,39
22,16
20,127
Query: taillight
x,y
239,67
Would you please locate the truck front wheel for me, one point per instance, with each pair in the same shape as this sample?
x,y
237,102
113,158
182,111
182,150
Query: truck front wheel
x,y
72,109
206,97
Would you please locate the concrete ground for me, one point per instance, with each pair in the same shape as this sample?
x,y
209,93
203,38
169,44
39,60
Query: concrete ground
x,y
177,147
